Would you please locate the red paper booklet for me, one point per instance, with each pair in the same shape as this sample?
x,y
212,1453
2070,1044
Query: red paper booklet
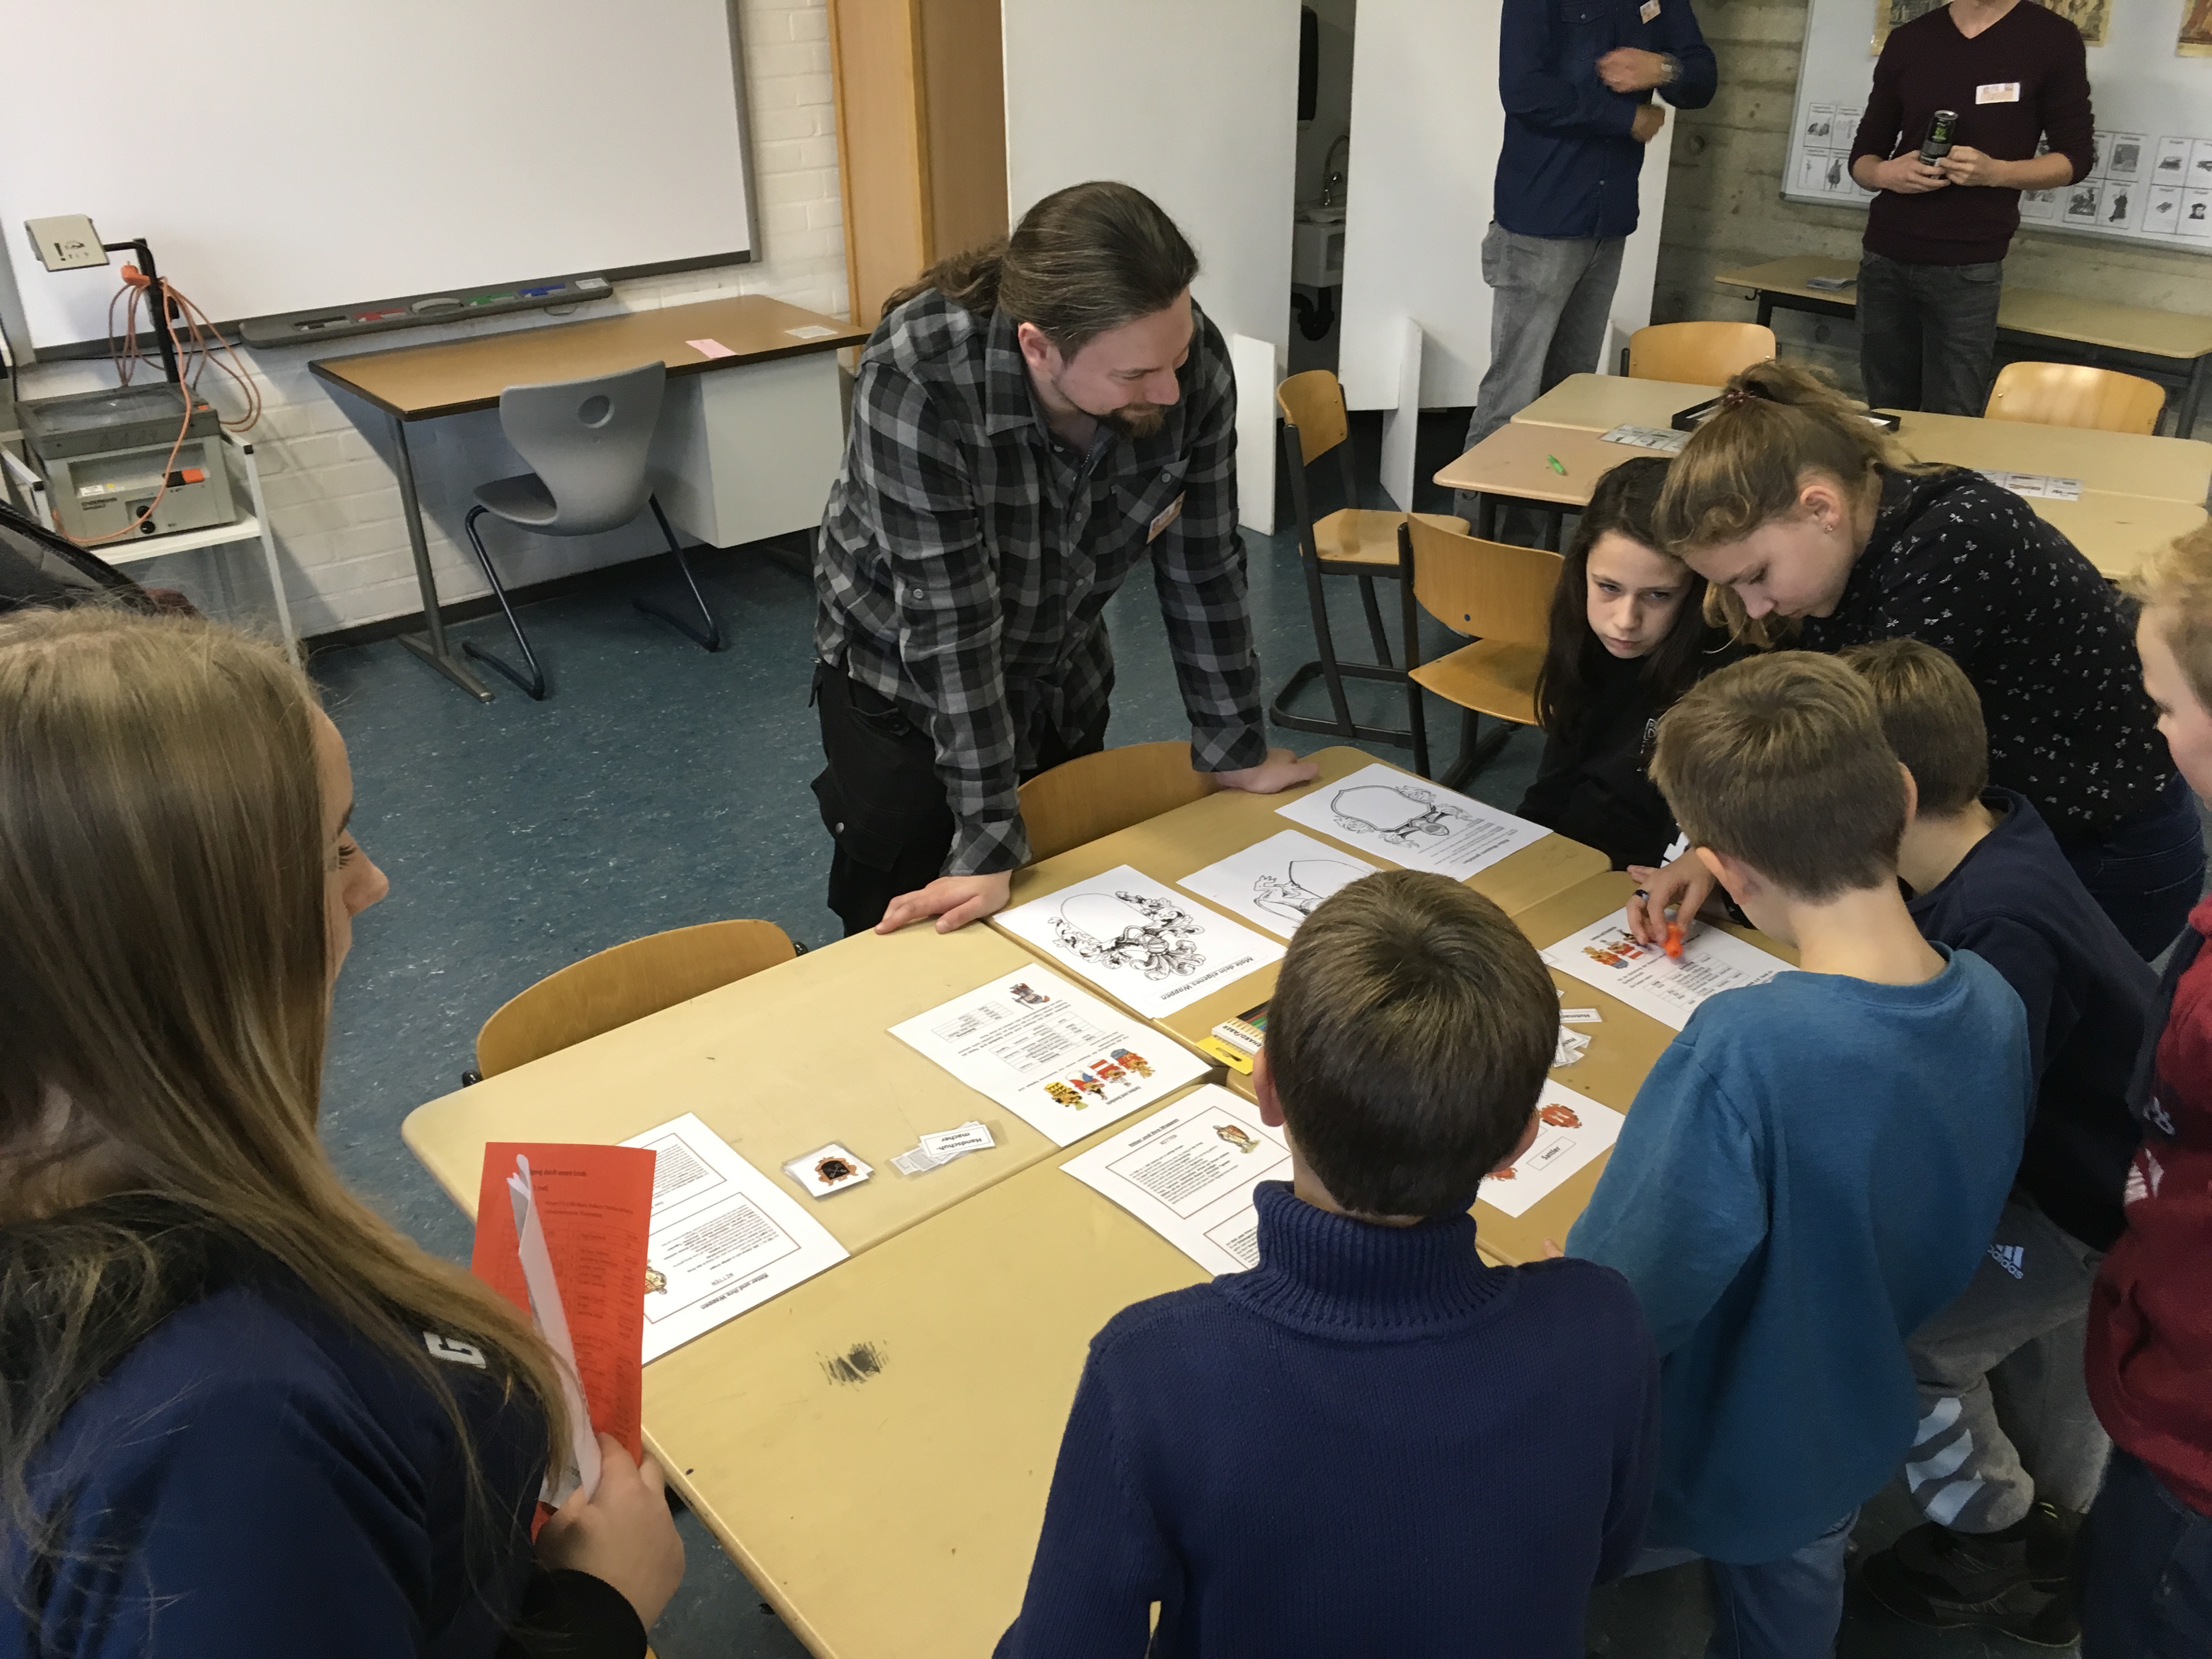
x,y
595,1206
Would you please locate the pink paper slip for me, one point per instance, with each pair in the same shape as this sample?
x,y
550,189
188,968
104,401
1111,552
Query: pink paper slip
x,y
710,348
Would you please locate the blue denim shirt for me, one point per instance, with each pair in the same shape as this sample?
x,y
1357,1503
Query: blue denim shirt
x,y
1568,166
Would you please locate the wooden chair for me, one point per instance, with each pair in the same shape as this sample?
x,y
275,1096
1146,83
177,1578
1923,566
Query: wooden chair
x,y
1500,596
1702,354
2072,394
1094,795
1352,541
625,983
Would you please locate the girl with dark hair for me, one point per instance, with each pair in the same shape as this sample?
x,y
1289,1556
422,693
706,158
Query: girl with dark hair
x,y
1628,637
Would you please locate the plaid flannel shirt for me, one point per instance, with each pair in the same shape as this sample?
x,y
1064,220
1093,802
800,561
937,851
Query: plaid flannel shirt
x,y
966,556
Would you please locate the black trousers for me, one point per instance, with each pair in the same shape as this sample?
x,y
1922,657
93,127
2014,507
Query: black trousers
x,y
881,798
1928,334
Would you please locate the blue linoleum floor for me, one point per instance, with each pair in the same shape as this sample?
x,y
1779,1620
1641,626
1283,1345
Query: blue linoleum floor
x,y
659,786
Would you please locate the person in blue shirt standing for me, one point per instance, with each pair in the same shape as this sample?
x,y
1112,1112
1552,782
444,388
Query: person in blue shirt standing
x,y
1577,78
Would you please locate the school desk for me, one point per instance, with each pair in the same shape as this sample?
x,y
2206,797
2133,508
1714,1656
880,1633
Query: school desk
x,y
740,454
776,1064
1170,847
2172,348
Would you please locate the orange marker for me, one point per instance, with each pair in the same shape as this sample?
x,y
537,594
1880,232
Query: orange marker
x,y
1674,939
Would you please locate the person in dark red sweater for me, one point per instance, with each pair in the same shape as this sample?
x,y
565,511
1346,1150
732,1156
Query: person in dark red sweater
x,y
2145,1564
2013,73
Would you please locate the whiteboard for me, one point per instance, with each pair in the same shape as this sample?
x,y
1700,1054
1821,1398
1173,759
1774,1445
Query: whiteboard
x,y
2153,180
278,155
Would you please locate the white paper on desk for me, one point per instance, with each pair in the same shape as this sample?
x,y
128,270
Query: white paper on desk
x,y
723,1237
1062,1061
551,1316
1140,941
1647,437
1278,882
1571,1130
1188,1173
1393,815
1607,955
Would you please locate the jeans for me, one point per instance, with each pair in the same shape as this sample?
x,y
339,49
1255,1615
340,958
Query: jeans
x,y
1551,298
1928,334
2005,1413
2148,875
2143,1569
1788,1609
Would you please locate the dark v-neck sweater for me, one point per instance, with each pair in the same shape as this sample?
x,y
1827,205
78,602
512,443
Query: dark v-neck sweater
x,y
1370,1443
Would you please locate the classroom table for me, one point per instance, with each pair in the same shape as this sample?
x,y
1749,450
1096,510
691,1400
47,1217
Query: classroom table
x,y
2172,348
1192,836
726,457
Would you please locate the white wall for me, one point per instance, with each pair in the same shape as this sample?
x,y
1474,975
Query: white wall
x,y
1332,94
326,459
1427,127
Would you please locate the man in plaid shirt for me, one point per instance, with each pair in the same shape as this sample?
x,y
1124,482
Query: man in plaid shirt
x,y
1027,423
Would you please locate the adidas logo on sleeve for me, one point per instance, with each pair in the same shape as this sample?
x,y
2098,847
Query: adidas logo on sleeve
x,y
2011,1257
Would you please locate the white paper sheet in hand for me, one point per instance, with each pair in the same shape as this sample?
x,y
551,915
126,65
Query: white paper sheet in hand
x,y
1278,883
1570,1132
1140,941
1606,955
1393,815
724,1239
1062,1061
1188,1172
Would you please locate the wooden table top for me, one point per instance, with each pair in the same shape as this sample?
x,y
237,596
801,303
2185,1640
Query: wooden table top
x,y
2117,463
1516,460
2117,533
776,1064
2024,310
1171,845
1599,403
417,383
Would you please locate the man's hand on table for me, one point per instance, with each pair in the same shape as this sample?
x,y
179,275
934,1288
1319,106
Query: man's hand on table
x,y
955,901
1281,770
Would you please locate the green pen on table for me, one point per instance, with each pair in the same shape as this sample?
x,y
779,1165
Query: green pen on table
x,y
1556,467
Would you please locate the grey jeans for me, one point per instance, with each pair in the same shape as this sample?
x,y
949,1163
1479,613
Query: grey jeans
x,y
1928,334
2004,1412
1550,298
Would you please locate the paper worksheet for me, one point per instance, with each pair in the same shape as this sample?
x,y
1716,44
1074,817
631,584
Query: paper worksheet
x,y
725,1238
2040,485
1188,1172
1646,437
1571,1131
1606,955
1393,815
1278,883
1142,942
1061,1060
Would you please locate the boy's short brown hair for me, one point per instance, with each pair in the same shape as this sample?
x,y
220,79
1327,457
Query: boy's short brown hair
x,y
1411,1028
1932,716
1779,760
2177,580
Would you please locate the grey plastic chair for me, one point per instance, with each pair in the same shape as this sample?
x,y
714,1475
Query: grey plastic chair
x,y
587,441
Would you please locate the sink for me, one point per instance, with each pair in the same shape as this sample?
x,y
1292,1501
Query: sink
x,y
1317,251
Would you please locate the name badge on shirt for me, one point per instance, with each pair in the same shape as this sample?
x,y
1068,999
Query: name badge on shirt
x,y
1647,10
1168,514
1998,92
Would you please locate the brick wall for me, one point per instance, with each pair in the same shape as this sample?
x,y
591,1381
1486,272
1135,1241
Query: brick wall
x,y
327,459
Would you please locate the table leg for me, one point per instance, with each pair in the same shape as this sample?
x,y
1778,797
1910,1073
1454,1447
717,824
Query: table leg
x,y
1766,309
1485,517
433,649
269,553
2192,396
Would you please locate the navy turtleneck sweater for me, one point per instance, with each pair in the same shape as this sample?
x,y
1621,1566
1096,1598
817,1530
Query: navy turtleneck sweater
x,y
1370,1443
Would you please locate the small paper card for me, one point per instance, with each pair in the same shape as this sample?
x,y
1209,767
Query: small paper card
x,y
807,331
1571,1131
710,348
1646,437
827,1169
948,1144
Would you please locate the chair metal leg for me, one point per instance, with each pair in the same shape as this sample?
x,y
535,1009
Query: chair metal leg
x,y
1375,622
1475,754
535,686
1317,602
711,636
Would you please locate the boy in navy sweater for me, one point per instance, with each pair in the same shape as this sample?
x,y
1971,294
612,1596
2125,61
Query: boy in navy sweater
x,y
1371,1442
2002,1472
1815,1165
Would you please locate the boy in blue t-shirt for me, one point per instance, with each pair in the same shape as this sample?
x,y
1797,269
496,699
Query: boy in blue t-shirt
x,y
1370,1443
2010,1451
1815,1165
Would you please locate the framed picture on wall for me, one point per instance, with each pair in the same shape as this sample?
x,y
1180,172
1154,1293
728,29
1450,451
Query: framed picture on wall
x,y
2195,40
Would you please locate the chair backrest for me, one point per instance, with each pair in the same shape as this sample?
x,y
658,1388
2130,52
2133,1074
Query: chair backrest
x,y
586,441
2072,394
1486,590
625,983
1094,795
1314,403
1701,354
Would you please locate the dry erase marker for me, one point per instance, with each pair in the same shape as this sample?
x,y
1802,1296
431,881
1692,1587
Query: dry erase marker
x,y
1674,939
1556,467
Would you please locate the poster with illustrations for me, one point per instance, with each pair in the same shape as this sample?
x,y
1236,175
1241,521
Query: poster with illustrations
x,y
1279,882
1606,955
1570,1132
1188,1173
1059,1059
1393,815
2195,40
1141,942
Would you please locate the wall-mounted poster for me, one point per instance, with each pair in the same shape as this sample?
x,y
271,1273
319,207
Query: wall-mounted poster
x,y
2093,17
2195,37
1896,14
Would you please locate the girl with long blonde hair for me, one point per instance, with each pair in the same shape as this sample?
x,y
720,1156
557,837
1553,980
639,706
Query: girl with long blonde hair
x,y
240,1413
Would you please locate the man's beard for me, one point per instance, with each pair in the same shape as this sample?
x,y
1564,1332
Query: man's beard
x,y
1136,420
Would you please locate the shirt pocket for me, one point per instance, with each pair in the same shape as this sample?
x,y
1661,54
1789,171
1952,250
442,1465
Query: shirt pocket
x,y
1140,500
